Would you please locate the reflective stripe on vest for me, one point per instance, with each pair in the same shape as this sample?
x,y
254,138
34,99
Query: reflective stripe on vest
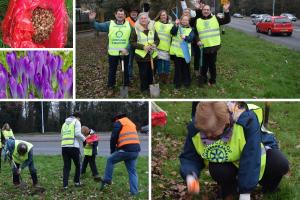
x,y
145,40
230,151
209,31
18,158
118,36
68,134
7,134
128,134
164,34
176,40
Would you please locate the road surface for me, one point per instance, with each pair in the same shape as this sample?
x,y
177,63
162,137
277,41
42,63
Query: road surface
x,y
50,144
245,25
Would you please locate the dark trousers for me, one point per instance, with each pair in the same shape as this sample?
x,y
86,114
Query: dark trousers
x,y
225,173
196,51
32,170
0,157
145,73
209,64
71,153
92,161
113,66
182,72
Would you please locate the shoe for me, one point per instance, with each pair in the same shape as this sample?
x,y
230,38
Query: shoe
x,y
102,185
66,187
97,178
79,184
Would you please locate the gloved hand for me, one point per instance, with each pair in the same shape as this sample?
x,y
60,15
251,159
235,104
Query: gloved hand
x,y
192,184
244,197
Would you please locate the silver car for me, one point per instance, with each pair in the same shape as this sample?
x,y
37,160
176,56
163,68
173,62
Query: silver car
x,y
259,18
290,16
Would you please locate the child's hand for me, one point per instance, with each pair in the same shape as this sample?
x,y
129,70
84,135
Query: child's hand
x,y
177,22
199,43
92,16
183,37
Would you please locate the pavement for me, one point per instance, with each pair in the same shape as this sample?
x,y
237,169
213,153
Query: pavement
x,y
50,144
246,25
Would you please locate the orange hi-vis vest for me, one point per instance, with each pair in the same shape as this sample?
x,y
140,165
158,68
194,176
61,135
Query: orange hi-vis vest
x,y
128,133
131,22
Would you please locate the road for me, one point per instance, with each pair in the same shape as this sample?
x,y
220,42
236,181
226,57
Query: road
x,y
245,25
50,144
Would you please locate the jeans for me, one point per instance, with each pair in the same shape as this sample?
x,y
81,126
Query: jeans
x,y
162,66
71,153
129,159
92,161
113,65
32,170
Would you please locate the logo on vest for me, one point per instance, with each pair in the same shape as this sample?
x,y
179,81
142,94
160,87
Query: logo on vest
x,y
206,24
119,34
217,152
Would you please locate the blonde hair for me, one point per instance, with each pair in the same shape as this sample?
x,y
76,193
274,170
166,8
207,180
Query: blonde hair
x,y
6,126
212,117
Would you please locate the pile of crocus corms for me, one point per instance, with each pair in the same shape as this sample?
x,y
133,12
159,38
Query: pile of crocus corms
x,y
37,74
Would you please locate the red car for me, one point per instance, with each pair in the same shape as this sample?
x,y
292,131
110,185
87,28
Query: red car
x,y
275,24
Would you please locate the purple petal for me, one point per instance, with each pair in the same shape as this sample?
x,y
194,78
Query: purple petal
x,y
31,96
3,94
25,83
38,81
11,59
13,87
45,74
3,77
20,91
59,94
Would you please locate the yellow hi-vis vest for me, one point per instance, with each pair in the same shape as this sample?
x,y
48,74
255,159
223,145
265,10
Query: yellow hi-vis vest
x,y
68,134
230,151
118,37
164,34
18,158
8,134
209,31
176,40
145,40
88,150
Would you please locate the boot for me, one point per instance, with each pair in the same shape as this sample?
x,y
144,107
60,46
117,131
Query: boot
x,y
16,179
34,179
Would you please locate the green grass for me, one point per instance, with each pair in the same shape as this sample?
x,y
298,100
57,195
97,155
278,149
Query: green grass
x,y
50,176
247,67
283,122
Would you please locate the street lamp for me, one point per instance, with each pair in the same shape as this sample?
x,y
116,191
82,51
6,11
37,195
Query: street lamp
x,y
274,7
43,128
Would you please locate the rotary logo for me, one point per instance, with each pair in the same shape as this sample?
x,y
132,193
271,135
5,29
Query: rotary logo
x,y
119,34
217,152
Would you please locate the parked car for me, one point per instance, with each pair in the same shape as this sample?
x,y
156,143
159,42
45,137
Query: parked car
x,y
290,16
275,24
145,129
237,15
259,18
220,15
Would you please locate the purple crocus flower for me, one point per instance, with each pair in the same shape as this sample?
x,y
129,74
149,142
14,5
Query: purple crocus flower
x,y
2,94
20,91
38,81
13,87
31,96
25,83
3,77
11,59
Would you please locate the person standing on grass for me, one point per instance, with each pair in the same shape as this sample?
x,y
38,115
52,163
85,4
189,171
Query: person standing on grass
x,y
208,31
124,146
90,151
145,40
163,28
21,155
132,18
118,44
70,138
229,139
6,134
181,31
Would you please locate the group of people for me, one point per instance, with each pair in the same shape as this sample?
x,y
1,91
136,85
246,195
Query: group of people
x,y
157,42
229,138
124,146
